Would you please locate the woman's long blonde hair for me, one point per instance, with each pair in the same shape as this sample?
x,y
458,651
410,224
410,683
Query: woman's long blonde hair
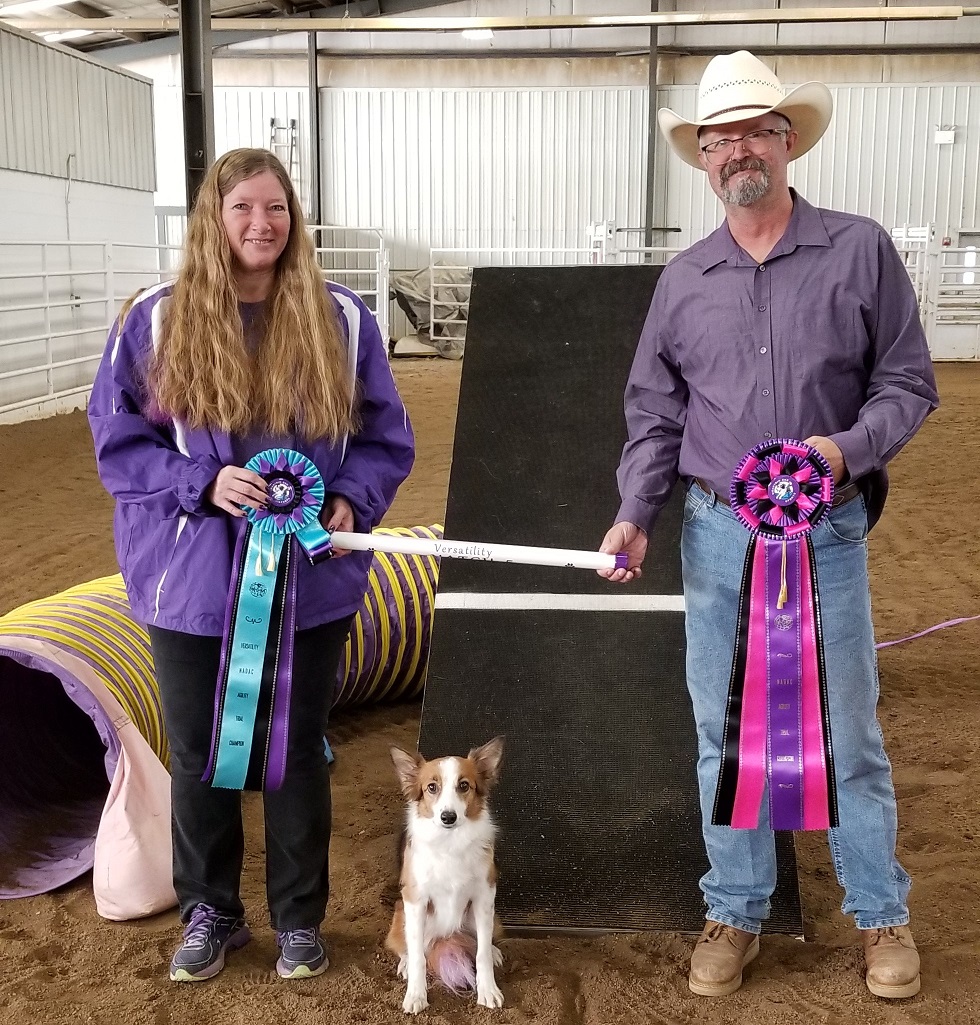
x,y
297,379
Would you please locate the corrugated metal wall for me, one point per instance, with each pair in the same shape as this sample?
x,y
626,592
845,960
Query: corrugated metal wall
x,y
878,158
242,117
67,117
449,168
497,167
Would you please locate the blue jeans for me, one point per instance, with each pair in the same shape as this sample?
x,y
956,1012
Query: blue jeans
x,y
742,876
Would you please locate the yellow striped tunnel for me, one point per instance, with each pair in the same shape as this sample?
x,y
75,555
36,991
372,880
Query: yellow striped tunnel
x,y
77,660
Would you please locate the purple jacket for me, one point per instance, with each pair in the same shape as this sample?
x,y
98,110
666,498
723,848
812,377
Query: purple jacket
x,y
174,548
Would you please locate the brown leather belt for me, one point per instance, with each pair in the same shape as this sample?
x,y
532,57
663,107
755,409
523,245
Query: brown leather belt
x,y
841,495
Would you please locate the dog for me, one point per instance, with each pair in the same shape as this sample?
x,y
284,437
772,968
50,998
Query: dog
x,y
444,922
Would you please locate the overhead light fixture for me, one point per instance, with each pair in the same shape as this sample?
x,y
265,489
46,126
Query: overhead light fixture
x,y
478,33
61,37
26,6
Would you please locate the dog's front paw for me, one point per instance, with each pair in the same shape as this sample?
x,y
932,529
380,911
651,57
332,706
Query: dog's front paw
x,y
488,994
498,957
403,968
415,1001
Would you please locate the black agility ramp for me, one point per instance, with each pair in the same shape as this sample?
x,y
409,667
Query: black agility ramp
x,y
597,805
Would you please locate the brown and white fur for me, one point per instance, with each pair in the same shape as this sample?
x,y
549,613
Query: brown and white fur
x,y
445,919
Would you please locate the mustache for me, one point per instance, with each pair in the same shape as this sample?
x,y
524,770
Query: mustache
x,y
745,164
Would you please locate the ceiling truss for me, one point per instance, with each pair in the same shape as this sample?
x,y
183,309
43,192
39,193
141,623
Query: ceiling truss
x,y
382,16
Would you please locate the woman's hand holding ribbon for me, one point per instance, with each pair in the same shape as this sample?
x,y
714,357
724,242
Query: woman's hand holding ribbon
x,y
234,487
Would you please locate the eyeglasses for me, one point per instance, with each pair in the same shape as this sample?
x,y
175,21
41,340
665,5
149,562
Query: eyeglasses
x,y
756,143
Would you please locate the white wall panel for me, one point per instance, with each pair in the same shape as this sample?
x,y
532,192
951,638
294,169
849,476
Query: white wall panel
x,y
129,120
450,168
878,158
60,112
241,118
40,208
92,161
458,167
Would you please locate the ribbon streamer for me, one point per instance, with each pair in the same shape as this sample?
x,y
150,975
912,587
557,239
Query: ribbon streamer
x,y
777,729
252,697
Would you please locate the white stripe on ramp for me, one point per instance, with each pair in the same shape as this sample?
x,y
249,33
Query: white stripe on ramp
x,y
564,602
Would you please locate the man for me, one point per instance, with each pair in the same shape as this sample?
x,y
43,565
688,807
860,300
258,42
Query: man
x,y
785,322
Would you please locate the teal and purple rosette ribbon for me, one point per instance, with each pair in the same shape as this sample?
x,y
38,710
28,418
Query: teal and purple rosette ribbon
x,y
777,728
252,697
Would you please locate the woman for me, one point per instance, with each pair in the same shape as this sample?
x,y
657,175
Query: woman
x,y
248,349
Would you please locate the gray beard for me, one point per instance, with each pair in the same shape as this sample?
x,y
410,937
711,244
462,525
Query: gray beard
x,y
748,190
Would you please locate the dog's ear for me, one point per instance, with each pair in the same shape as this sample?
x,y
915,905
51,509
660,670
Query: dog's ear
x,y
487,758
407,766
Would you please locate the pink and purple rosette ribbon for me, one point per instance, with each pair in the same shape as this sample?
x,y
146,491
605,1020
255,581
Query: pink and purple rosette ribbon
x,y
252,697
777,728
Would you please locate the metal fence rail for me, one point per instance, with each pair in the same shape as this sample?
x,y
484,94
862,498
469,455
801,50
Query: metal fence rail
x,y
55,311
946,280
450,271
951,308
350,255
58,300
358,259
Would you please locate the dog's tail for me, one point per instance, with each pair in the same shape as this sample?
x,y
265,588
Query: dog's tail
x,y
452,960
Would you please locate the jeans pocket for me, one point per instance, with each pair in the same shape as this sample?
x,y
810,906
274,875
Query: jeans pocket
x,y
695,500
848,523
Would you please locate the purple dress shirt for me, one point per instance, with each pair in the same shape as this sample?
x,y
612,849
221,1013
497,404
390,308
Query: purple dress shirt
x,y
823,338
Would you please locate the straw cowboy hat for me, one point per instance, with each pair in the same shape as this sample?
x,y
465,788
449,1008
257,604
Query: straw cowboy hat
x,y
737,87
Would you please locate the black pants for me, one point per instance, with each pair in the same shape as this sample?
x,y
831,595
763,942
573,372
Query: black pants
x,y
207,821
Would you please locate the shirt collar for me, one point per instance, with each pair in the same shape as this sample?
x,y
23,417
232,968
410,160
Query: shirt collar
x,y
805,228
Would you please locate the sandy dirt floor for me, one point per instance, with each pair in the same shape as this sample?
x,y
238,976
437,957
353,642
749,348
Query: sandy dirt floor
x,y
60,963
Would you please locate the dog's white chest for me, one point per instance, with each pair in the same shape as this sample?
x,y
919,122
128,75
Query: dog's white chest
x,y
449,873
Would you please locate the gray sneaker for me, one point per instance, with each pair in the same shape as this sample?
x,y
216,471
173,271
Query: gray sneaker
x,y
301,954
208,936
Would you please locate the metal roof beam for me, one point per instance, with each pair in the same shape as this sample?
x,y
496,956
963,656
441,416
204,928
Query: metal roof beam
x,y
506,24
89,11
665,50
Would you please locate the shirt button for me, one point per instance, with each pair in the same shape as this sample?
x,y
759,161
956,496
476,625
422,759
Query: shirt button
x,y
762,266
768,434
762,309
765,391
763,350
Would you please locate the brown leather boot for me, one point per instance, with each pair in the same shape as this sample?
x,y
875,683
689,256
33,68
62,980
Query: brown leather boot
x,y
892,962
720,954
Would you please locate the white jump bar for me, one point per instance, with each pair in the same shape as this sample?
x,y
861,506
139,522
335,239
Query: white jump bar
x,y
478,550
